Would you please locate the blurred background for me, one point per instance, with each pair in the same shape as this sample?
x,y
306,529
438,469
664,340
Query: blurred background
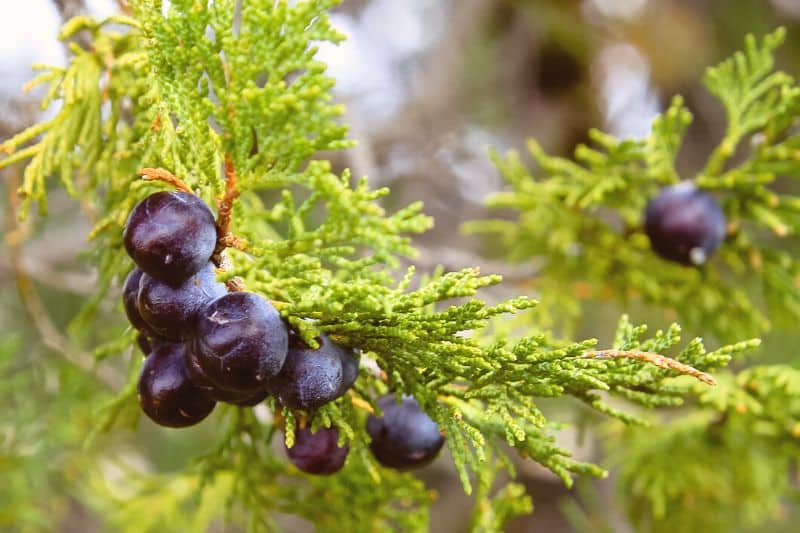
x,y
429,85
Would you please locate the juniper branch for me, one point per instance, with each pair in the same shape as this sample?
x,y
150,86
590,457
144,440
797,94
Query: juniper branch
x,y
186,92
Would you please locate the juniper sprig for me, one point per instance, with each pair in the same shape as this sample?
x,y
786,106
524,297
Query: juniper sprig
x,y
582,221
226,100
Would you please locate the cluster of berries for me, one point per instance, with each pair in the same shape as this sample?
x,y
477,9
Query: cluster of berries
x,y
205,345
404,438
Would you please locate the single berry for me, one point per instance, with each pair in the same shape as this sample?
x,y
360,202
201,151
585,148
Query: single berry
x,y
311,377
318,453
198,377
405,437
350,369
240,342
171,311
130,299
170,235
684,224
166,394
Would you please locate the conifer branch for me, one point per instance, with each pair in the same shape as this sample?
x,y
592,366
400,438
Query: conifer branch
x,y
236,284
742,432
612,256
199,88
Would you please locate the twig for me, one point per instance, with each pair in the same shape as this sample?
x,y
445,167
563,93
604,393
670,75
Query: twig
x,y
235,284
225,212
232,241
658,360
225,239
160,174
156,125
278,420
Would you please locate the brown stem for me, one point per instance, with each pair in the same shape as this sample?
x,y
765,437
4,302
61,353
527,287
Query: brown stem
x,y
156,125
278,419
232,241
226,203
225,238
166,176
658,360
235,284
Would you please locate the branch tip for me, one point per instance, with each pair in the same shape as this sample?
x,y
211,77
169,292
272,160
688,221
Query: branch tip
x,y
658,360
161,174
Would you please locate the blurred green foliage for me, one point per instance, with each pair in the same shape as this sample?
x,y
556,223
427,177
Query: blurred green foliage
x,y
725,463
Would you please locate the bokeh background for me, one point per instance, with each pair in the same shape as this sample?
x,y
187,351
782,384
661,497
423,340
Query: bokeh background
x,y
429,85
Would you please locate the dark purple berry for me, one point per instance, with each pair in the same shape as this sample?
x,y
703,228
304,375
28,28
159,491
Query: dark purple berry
x,y
198,377
684,224
170,235
311,378
241,342
130,299
405,437
246,400
350,369
171,311
317,453
166,394
242,399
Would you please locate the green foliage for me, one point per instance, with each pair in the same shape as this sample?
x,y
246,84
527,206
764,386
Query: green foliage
x,y
591,515
40,447
581,220
725,464
245,482
735,453
229,99
491,512
243,84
